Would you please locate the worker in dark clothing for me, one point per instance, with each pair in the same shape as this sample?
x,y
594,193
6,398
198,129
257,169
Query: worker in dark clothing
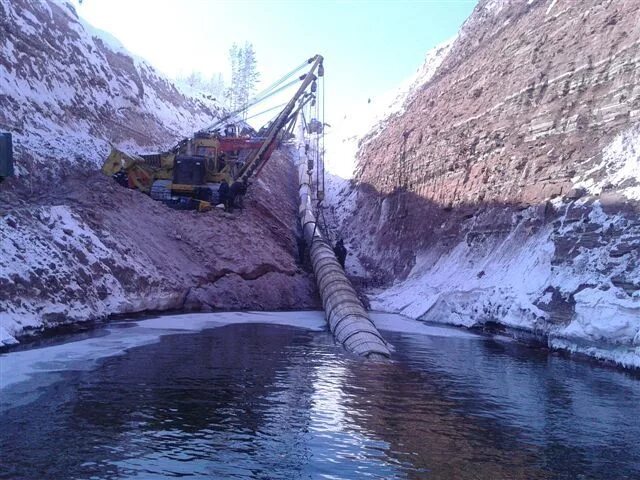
x,y
236,195
341,252
223,194
302,248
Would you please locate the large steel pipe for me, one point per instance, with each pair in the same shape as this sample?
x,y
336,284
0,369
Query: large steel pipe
x,y
347,318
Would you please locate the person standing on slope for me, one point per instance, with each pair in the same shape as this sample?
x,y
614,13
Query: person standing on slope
x,y
223,194
237,192
341,252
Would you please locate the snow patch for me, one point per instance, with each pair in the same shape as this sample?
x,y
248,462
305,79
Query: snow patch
x,y
507,280
495,6
498,280
392,322
619,167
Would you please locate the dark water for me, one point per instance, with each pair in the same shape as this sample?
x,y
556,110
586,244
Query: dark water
x,y
265,401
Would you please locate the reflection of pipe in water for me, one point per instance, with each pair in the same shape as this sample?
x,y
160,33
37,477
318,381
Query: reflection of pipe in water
x,y
347,318
416,413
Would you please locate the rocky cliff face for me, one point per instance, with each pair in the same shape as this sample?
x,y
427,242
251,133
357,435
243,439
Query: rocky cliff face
x,y
507,189
74,246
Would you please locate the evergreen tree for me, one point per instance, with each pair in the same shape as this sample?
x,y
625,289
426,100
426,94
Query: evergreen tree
x,y
250,75
194,80
214,85
244,78
244,75
234,88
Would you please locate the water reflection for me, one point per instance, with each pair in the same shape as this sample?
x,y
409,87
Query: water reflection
x,y
258,401
427,426
465,409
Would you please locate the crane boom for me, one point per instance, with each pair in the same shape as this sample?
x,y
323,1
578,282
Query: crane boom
x,y
257,161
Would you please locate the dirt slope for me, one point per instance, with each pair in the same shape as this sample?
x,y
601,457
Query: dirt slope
x,y
91,248
74,246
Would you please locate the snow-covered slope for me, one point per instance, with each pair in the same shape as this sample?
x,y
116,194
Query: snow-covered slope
x,y
506,190
619,167
521,279
67,90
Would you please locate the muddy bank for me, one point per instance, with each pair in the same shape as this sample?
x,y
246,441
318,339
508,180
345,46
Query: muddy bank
x,y
86,248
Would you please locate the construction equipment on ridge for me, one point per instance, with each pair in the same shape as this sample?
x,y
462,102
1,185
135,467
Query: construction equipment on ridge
x,y
188,176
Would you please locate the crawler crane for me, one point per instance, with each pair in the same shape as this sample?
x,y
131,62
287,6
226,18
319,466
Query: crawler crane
x,y
188,176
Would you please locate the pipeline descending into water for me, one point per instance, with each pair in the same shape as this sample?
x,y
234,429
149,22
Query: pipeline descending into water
x,y
347,318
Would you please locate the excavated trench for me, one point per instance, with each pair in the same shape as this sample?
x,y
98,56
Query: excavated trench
x,y
94,250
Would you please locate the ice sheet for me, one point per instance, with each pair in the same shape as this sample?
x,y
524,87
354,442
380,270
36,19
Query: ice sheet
x,y
19,366
397,323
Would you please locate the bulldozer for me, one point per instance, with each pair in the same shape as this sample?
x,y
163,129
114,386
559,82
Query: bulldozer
x,y
186,177
189,175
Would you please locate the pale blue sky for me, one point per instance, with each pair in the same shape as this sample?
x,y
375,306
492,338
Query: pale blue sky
x,y
369,46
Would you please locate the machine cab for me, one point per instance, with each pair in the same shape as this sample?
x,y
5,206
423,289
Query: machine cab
x,y
190,170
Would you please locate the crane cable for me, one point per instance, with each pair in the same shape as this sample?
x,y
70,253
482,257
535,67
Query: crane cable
x,y
266,111
285,77
323,125
320,170
237,112
319,214
261,96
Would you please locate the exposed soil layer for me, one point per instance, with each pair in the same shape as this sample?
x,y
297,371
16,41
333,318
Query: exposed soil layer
x,y
86,248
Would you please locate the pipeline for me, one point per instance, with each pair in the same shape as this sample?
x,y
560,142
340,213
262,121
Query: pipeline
x,y
347,318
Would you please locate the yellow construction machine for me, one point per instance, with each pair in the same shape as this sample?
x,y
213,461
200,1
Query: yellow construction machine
x,y
189,175
186,177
